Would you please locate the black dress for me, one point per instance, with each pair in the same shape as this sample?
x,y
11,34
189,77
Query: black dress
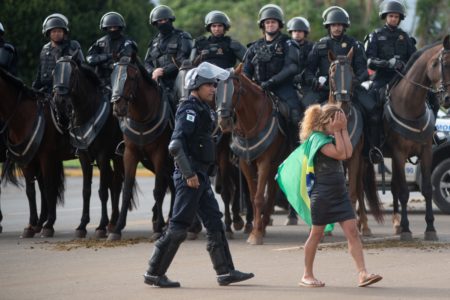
x,y
330,202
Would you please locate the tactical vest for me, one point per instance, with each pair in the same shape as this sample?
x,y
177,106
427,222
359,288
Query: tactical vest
x,y
341,47
269,57
218,53
108,46
164,50
304,50
391,43
7,55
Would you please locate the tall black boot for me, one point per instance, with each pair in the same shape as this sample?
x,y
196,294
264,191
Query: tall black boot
x,y
165,249
221,258
375,154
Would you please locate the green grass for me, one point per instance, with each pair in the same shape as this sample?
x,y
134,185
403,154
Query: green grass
x,y
75,163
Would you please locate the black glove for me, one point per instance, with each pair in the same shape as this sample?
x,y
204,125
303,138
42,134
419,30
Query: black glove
x,y
298,78
267,85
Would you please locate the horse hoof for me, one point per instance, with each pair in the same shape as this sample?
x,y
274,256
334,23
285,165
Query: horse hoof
x,y
229,235
397,230
291,221
100,234
431,236
28,233
36,229
192,236
155,236
406,236
248,228
114,237
47,232
253,239
111,227
238,225
367,232
80,233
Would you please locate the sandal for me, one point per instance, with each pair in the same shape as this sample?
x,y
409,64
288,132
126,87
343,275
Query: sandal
x,y
370,279
315,283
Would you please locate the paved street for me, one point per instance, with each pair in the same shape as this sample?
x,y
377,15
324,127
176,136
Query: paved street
x,y
60,268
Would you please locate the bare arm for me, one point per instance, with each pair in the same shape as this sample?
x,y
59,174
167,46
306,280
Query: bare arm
x,y
343,148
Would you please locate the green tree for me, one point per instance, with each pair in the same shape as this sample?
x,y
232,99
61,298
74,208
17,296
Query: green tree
x,y
433,20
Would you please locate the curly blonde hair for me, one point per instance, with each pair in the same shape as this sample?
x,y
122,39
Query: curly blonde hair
x,y
316,118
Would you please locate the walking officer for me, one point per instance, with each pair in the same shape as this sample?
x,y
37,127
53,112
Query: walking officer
x,y
8,54
166,51
108,49
272,63
56,28
193,150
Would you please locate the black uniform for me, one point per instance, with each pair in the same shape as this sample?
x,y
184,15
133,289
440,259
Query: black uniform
x,y
106,51
8,57
48,57
304,48
221,51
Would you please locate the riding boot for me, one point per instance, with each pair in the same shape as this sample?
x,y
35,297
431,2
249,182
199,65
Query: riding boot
x,y
375,154
120,149
165,249
221,258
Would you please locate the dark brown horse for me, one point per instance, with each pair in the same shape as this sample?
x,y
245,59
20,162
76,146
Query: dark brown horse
x,y
409,124
361,175
37,147
95,132
145,122
257,139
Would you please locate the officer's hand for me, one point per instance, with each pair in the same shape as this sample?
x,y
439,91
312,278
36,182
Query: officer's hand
x,y
395,63
267,85
158,72
193,182
298,78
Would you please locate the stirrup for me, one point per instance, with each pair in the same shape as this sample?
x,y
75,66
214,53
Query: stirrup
x,y
375,156
120,149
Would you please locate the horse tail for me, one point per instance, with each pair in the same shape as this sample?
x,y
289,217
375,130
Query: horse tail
x,y
134,195
371,193
60,182
10,171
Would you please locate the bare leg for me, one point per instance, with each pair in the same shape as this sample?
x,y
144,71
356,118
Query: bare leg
x,y
315,235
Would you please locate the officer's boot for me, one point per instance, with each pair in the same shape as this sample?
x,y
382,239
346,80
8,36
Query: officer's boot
x,y
165,249
221,258
295,118
375,154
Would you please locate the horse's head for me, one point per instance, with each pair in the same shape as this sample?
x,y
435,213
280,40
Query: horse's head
x,y
341,78
438,70
224,101
65,83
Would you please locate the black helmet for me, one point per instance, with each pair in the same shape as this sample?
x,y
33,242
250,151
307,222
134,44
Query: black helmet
x,y
55,21
335,15
391,7
217,16
161,12
298,23
112,19
270,11
2,30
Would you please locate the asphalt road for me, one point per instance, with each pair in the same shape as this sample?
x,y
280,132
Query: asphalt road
x,y
63,268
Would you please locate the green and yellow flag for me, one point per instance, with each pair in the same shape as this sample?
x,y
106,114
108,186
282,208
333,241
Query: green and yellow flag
x,y
296,175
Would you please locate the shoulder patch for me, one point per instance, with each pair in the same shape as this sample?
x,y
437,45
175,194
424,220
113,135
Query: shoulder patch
x,y
190,115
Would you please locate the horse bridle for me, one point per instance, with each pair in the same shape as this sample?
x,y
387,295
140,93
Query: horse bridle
x,y
341,60
133,79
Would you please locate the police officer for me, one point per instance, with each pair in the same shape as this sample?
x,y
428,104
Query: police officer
x,y
8,54
108,49
272,62
218,48
167,50
193,150
299,28
56,28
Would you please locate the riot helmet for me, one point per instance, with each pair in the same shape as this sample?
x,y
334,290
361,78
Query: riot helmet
x,y
335,15
161,12
391,6
204,73
270,11
55,21
217,16
112,19
298,24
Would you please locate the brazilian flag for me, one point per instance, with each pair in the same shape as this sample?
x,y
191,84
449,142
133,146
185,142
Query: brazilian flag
x,y
296,175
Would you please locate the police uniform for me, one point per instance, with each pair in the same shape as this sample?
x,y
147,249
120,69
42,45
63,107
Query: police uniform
x,y
221,51
8,57
304,48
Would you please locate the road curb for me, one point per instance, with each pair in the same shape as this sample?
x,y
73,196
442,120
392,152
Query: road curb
x,y
76,172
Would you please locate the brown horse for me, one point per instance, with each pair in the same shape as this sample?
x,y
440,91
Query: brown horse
x,y
409,123
257,139
37,147
145,121
361,175
95,132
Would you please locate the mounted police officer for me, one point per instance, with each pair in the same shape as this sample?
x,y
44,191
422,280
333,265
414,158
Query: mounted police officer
x,y
167,50
8,54
218,49
299,28
194,153
56,28
108,49
272,62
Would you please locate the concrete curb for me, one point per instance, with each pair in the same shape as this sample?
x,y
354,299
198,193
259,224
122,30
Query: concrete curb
x,y
76,172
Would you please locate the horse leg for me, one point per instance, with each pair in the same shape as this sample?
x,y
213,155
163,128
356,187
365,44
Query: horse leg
x,y
270,201
106,174
30,230
248,206
362,212
116,189
43,216
158,194
425,168
86,168
396,212
398,176
261,221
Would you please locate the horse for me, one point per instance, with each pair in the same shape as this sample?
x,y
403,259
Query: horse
x,y
37,147
409,124
95,132
252,117
361,174
147,127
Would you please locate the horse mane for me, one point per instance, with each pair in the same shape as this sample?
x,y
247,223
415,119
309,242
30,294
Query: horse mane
x,y
238,72
18,83
90,73
147,77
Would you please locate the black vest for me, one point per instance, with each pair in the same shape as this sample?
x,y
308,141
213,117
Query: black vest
x,y
391,43
164,48
269,57
338,47
216,51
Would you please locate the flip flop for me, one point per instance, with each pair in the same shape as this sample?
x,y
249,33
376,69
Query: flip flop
x,y
370,279
311,283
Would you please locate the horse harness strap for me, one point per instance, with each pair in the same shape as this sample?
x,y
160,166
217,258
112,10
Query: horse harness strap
x,y
417,130
23,152
142,133
82,136
355,125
